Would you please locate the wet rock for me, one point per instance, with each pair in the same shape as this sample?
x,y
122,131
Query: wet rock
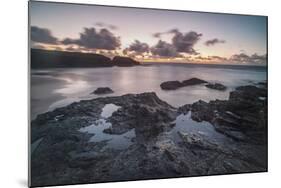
x,y
201,110
193,81
235,116
216,86
242,117
171,85
193,140
102,90
147,114
236,135
184,109
67,156
247,93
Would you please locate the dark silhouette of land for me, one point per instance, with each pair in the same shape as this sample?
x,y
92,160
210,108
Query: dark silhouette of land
x,y
60,59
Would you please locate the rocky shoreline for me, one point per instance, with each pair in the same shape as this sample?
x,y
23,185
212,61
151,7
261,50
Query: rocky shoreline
x,y
63,154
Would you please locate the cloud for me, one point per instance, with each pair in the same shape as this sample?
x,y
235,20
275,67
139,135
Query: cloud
x,y
244,58
112,27
42,35
68,41
157,35
105,25
71,48
201,58
38,46
137,47
211,58
58,48
92,39
241,58
100,24
213,42
184,42
218,58
259,58
164,49
181,42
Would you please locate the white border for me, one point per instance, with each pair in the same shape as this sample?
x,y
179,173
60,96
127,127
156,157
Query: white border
x,y
14,93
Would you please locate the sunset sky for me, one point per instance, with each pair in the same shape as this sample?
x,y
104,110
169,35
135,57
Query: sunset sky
x,y
149,35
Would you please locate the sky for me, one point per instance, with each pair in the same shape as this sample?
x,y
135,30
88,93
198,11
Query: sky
x,y
149,35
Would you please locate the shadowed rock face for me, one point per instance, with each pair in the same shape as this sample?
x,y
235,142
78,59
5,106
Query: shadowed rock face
x,y
65,155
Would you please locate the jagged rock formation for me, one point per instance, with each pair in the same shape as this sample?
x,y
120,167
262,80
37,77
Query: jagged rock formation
x,y
62,154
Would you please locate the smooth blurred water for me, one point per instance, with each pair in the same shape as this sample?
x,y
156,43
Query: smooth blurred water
x,y
52,88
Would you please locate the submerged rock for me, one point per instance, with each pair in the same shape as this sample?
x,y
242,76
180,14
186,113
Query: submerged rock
x,y
102,90
216,86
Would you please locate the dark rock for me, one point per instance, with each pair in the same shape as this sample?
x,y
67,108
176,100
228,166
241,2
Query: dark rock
x,y
148,115
193,81
247,93
171,85
263,84
124,61
184,109
243,115
201,110
193,140
102,90
65,155
216,86
54,157
59,59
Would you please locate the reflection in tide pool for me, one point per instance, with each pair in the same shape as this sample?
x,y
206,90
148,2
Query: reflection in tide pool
x,y
204,129
108,109
113,141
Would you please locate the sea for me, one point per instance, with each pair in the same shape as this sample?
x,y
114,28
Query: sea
x,y
58,87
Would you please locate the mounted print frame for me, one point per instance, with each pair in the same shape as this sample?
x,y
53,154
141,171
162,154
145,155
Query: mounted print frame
x,y
125,93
